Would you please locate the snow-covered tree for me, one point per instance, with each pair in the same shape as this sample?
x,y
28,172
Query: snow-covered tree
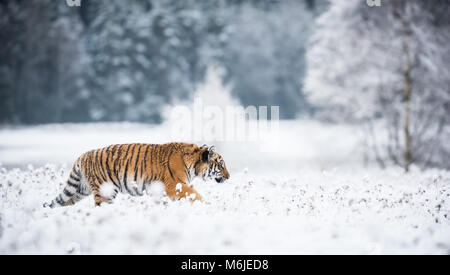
x,y
386,66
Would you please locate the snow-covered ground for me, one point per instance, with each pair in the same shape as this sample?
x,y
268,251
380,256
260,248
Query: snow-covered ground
x,y
311,196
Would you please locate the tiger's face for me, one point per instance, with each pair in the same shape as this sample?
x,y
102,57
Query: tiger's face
x,y
217,168
214,166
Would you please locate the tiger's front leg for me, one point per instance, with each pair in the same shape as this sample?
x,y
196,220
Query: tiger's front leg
x,y
182,190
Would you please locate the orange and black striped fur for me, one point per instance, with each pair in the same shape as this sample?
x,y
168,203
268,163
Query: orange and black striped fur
x,y
132,167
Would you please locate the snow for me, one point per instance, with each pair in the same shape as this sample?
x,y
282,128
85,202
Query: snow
x,y
192,196
310,197
179,187
107,190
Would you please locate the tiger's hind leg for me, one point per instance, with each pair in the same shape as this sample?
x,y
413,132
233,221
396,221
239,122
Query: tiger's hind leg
x,y
102,194
81,193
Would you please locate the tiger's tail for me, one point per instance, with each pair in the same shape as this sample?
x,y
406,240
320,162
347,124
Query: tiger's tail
x,y
73,191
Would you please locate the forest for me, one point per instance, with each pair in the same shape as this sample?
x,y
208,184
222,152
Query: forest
x,y
124,60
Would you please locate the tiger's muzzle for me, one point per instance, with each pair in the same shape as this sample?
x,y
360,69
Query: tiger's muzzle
x,y
223,178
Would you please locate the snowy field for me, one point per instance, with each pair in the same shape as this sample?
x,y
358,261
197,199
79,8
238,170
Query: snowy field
x,y
312,196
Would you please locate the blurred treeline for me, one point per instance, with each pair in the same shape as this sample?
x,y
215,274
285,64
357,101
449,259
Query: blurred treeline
x,y
114,60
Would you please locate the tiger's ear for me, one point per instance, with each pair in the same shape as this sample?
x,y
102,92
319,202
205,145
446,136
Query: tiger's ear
x,y
205,155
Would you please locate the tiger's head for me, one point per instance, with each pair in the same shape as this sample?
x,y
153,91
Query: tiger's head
x,y
212,165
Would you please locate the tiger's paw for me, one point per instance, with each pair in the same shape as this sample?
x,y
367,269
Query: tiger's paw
x,y
195,197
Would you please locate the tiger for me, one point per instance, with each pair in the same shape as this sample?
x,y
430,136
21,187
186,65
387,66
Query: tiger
x,y
131,168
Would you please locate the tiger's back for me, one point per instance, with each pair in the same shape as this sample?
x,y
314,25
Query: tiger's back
x,y
130,168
